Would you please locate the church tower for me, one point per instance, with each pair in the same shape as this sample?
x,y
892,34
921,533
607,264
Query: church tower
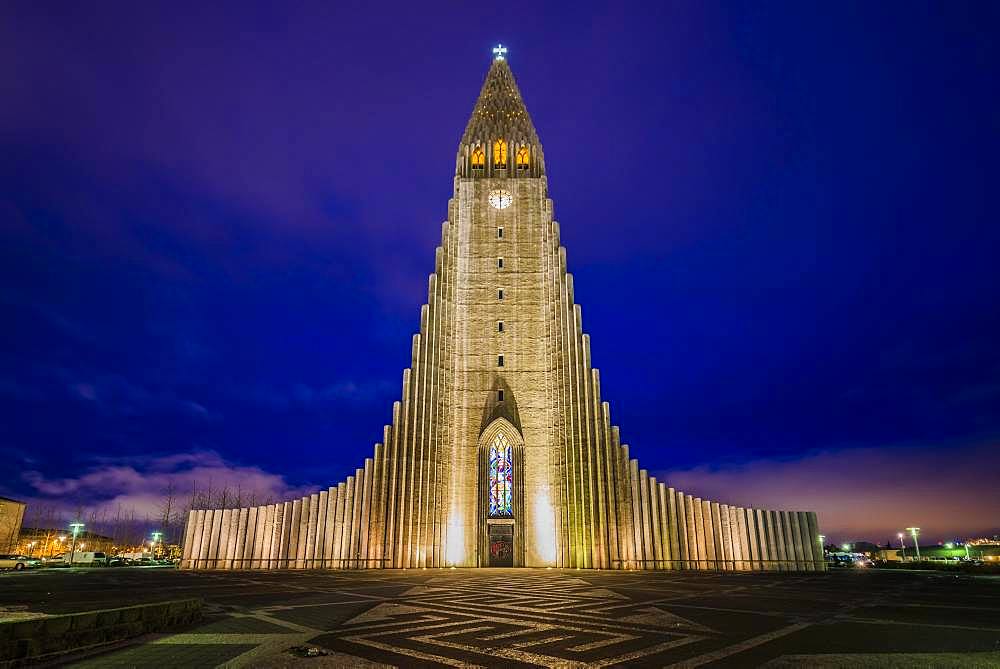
x,y
501,451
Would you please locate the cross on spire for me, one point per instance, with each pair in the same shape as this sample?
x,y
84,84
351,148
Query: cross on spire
x,y
498,52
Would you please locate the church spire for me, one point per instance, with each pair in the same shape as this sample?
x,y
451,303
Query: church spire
x,y
499,116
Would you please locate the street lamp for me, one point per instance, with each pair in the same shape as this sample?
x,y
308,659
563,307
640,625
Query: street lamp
x,y
156,539
902,546
914,531
30,547
847,548
75,528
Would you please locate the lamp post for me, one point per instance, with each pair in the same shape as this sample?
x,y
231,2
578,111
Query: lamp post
x,y
156,539
914,531
75,528
902,547
31,547
967,551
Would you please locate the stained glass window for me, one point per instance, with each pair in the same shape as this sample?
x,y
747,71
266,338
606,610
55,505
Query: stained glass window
x,y
478,158
501,470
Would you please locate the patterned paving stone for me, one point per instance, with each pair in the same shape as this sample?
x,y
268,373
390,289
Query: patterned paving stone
x,y
524,617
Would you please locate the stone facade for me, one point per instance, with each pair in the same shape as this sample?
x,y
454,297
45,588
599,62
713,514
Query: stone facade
x,y
501,351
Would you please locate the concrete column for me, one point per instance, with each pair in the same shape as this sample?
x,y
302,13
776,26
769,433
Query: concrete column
x,y
268,550
255,528
654,524
189,524
739,525
296,537
329,528
338,526
640,555
377,500
710,534
796,532
286,547
813,525
241,537
392,488
365,514
683,546
765,552
311,526
673,528
667,543
213,543
345,538
359,491
197,547
727,538
691,524
611,488
320,540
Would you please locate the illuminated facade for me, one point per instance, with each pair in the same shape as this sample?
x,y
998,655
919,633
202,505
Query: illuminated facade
x,y
500,451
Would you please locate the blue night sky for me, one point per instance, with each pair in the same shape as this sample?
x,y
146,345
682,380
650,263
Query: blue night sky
x,y
216,226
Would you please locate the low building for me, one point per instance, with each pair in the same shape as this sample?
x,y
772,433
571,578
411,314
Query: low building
x,y
11,517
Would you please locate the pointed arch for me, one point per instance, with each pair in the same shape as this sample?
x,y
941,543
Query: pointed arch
x,y
500,153
501,486
523,158
478,158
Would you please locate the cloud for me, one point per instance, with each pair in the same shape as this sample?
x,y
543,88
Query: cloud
x,y
867,493
139,483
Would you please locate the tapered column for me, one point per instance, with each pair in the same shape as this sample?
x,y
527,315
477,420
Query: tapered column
x,y
338,529
328,531
365,514
236,562
197,548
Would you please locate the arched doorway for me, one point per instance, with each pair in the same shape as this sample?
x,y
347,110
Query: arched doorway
x,y
501,496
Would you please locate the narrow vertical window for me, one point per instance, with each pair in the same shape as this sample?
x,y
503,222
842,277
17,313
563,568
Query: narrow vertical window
x,y
499,263
501,477
523,158
500,360
500,294
499,326
500,154
499,396
499,233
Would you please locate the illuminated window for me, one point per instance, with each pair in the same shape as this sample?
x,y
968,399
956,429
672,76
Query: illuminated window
x,y
499,326
500,360
499,263
478,159
501,477
523,158
500,153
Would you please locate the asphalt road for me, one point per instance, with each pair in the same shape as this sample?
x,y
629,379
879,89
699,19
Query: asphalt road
x,y
532,617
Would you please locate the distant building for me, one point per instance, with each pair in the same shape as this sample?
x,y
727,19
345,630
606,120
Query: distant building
x,y
11,517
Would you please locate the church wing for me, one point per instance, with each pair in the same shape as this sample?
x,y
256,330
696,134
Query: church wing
x,y
501,450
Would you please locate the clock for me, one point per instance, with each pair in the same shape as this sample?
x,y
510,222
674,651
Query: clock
x,y
500,199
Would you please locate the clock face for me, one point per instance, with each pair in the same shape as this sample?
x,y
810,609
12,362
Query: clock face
x,y
500,199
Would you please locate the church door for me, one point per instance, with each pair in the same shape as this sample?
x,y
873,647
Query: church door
x,y
502,545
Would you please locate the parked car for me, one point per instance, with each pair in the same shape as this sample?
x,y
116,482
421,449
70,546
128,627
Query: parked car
x,y
81,558
18,562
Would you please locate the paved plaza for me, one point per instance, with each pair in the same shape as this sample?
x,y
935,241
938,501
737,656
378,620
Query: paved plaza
x,y
537,617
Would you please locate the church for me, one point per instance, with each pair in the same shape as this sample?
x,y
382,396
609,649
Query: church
x,y
501,451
